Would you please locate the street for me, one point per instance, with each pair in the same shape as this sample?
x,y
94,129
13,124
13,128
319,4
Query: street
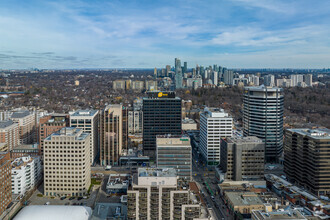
x,y
202,175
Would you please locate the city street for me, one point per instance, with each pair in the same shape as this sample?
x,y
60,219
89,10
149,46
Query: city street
x,y
202,175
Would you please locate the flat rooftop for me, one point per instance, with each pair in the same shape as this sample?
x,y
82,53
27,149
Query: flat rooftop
x,y
215,112
244,198
242,140
5,124
290,214
172,140
319,133
157,172
84,113
20,114
69,131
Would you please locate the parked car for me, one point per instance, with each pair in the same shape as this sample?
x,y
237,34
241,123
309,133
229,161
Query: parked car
x,y
47,203
71,198
63,197
79,198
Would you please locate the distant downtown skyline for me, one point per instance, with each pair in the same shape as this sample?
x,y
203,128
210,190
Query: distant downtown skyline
x,y
145,34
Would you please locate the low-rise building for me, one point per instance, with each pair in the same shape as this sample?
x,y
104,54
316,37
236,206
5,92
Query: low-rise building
x,y
25,174
287,215
24,150
243,202
118,183
189,124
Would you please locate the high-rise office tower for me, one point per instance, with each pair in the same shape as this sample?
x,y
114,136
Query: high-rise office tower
x,y
215,68
5,183
214,77
263,118
88,121
155,73
269,80
161,116
175,152
168,69
50,124
67,167
214,125
185,67
135,118
242,158
111,134
306,159
9,134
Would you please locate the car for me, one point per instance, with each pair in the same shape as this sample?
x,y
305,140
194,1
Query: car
x,y
79,198
85,197
212,197
67,203
47,203
71,198
63,197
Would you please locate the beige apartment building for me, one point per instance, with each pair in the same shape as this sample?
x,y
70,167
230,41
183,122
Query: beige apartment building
x,y
67,167
155,194
111,134
9,134
27,126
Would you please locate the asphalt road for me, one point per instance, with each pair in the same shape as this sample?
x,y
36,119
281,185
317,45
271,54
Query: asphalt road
x,y
200,175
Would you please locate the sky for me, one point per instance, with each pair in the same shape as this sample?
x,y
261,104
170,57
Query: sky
x,y
148,33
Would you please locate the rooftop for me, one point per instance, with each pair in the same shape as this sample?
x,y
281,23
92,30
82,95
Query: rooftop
x,y
84,113
188,121
156,172
244,198
288,214
215,112
263,88
240,139
5,124
69,131
319,133
20,114
172,140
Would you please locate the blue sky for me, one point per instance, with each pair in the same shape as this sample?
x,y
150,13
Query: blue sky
x,y
143,33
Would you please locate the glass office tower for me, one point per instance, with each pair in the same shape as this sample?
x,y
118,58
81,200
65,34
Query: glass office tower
x,y
263,117
161,116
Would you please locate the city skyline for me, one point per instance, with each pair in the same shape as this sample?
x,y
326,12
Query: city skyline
x,y
145,34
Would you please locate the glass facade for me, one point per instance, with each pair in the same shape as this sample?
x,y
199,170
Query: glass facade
x,y
160,116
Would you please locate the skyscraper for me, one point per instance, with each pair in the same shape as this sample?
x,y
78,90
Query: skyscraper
x,y
178,74
263,117
306,159
185,67
111,134
88,121
214,125
228,77
269,80
161,116
67,167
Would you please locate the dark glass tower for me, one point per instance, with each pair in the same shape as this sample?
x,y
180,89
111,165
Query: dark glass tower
x,y
161,115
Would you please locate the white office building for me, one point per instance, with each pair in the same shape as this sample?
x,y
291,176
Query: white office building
x,y
88,121
25,174
214,125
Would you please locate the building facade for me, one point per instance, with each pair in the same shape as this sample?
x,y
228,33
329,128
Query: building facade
x,y
263,118
67,167
155,194
9,134
111,134
214,125
242,158
27,126
25,174
5,183
88,121
50,124
306,159
161,116
175,152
